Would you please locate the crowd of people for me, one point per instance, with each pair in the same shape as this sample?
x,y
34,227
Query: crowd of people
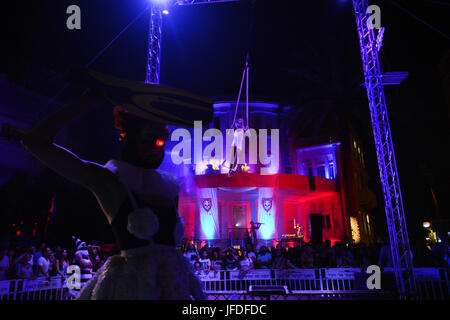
x,y
301,255
31,262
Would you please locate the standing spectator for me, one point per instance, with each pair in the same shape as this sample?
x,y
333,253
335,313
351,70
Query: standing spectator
x,y
216,260
82,260
264,258
27,253
96,263
10,274
4,264
363,256
55,267
43,264
205,262
279,260
33,252
231,261
25,268
63,261
447,258
341,257
191,254
37,255
197,268
251,252
385,257
328,258
246,263
295,253
307,258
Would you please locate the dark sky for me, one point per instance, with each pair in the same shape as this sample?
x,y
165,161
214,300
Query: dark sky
x,y
204,47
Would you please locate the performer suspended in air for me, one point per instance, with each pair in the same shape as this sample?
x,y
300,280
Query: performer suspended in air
x,y
139,202
237,143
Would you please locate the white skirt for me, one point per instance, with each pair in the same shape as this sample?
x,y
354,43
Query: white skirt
x,y
155,272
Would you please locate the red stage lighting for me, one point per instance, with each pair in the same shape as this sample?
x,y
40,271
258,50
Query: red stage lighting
x,y
159,143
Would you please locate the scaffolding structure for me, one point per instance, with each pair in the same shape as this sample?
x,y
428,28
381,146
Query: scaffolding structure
x,y
395,216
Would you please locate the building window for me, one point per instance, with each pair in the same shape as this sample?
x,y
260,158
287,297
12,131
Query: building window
x,y
321,171
326,221
354,225
331,170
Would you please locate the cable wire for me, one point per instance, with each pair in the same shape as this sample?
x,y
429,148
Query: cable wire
x,y
66,85
420,20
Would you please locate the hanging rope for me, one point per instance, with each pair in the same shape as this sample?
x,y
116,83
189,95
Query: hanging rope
x,y
245,74
99,54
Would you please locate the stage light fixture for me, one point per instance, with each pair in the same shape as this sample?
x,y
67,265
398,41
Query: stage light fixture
x,y
159,143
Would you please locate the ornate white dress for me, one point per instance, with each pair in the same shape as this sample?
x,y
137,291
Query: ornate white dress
x,y
149,266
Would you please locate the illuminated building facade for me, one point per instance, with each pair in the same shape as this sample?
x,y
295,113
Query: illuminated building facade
x,y
310,181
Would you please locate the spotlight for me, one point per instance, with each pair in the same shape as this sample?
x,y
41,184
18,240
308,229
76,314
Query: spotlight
x,y
165,11
159,143
426,224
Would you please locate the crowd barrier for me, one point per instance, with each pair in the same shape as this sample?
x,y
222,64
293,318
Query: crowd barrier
x,y
333,283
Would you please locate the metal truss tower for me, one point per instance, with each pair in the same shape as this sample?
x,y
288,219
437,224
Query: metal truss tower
x,y
154,43
398,234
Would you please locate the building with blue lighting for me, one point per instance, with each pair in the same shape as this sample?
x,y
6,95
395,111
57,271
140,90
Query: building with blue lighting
x,y
318,190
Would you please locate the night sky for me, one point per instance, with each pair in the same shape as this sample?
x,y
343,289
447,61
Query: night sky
x,y
295,49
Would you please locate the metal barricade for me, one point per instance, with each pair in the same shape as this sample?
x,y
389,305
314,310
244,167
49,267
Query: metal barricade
x,y
335,283
38,289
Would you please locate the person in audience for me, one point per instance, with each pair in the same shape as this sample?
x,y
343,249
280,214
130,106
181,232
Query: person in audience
x,y
55,267
307,258
25,268
251,252
385,257
205,262
264,258
295,253
83,261
37,255
4,264
231,261
197,267
216,260
43,264
245,262
10,274
191,254
63,261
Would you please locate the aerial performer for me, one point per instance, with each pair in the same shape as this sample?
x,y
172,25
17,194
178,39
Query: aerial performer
x,y
237,143
139,201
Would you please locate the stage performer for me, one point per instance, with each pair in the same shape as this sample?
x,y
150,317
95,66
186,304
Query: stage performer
x,y
83,261
236,144
139,202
